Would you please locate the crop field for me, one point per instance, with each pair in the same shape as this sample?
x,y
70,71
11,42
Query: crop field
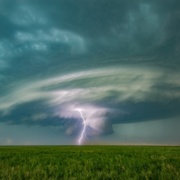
x,y
89,162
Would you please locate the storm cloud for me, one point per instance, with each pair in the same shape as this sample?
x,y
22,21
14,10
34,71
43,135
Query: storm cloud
x,y
116,60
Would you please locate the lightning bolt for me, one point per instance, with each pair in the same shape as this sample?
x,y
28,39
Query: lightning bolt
x,y
84,126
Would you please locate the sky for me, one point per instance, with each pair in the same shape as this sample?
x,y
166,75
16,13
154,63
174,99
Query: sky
x,y
89,72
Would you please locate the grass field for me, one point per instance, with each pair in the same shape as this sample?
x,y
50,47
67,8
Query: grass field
x,y
89,162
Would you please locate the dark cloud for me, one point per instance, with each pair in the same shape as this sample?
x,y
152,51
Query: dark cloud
x,y
146,111
117,59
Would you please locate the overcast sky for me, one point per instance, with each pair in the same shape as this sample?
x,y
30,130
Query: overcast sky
x,y
116,62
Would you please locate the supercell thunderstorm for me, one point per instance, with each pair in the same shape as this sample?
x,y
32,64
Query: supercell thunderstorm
x,y
97,91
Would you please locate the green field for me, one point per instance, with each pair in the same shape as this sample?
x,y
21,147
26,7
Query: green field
x,y
89,162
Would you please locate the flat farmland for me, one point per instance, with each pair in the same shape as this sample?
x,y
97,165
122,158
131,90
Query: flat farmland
x,y
89,162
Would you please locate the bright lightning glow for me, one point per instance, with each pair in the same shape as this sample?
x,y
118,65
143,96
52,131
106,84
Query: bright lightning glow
x,y
84,126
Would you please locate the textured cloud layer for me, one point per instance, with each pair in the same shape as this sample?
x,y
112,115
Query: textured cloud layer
x,y
111,95
117,60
